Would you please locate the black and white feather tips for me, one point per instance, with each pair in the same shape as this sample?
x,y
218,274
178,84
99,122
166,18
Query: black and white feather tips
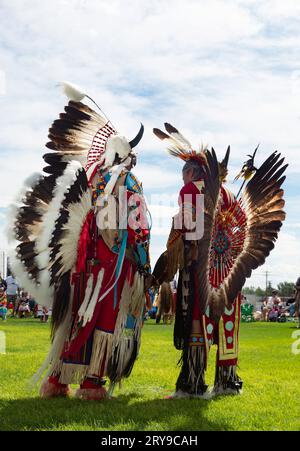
x,y
179,146
76,94
42,245
86,136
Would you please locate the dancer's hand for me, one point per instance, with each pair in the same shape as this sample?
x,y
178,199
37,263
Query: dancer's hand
x,y
149,281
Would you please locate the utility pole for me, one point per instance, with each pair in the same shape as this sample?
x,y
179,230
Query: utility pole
x,y
267,273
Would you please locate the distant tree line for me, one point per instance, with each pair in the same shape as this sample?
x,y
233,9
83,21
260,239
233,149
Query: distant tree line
x,y
285,289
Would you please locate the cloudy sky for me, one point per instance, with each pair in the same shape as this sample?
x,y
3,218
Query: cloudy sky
x,y
223,72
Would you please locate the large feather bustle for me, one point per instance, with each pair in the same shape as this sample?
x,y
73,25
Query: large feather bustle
x,y
74,209
26,224
31,251
263,203
211,198
23,253
64,240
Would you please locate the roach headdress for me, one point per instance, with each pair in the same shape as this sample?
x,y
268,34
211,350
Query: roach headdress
x,y
179,146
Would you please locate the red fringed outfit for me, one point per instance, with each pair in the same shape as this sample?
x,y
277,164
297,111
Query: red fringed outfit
x,y
223,240
104,336
194,332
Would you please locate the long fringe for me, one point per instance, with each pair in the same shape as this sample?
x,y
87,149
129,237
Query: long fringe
x,y
225,375
112,354
137,297
71,373
123,312
102,350
52,363
121,356
126,342
197,365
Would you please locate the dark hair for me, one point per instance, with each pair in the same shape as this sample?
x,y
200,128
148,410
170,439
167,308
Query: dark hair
x,y
197,169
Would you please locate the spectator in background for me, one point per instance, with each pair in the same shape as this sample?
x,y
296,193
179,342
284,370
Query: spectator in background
x,y
45,315
173,285
277,303
289,311
12,292
297,300
32,303
3,304
267,307
3,283
24,309
165,304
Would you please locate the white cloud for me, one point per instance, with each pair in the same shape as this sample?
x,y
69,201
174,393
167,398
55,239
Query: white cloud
x,y
222,72
276,10
283,263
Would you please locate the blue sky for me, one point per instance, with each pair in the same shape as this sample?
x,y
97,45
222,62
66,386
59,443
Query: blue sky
x,y
222,72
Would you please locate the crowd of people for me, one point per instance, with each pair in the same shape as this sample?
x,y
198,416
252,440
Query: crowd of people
x,y
275,309
18,303
272,306
162,306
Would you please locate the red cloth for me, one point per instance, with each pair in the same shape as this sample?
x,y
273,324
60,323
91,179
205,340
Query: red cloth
x,y
191,189
55,381
105,314
93,255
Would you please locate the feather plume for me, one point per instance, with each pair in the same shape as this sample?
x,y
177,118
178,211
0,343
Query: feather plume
x,y
179,146
72,91
178,136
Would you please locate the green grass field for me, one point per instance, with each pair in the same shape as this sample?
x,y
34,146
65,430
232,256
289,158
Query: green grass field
x,y
270,401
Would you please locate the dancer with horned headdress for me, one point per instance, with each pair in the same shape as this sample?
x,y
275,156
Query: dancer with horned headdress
x,y
82,247
215,242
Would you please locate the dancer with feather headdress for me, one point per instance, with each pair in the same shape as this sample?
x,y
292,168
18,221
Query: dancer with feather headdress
x,y
81,241
216,241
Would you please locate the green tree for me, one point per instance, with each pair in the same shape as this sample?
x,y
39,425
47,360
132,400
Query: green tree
x,y
249,290
286,288
260,292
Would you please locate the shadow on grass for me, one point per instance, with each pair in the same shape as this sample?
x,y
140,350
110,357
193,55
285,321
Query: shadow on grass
x,y
126,412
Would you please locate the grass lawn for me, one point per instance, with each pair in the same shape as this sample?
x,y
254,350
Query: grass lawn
x,y
270,400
